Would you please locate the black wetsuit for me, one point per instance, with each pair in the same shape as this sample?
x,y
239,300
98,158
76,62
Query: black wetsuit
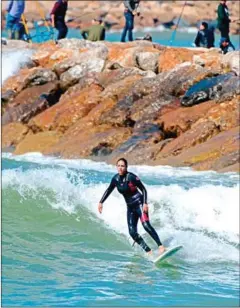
x,y
128,185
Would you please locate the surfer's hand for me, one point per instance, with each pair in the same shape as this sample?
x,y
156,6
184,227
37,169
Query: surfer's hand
x,y
145,208
100,207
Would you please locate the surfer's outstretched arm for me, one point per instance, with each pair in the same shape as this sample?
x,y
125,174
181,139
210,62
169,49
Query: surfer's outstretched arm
x,y
106,195
108,191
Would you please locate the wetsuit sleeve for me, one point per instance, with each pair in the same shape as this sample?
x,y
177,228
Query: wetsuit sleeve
x,y
139,185
108,191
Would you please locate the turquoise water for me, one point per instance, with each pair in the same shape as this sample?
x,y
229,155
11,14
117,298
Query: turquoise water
x,y
57,250
167,37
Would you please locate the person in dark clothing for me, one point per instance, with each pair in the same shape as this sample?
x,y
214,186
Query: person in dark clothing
x,y
211,36
135,195
205,36
94,33
58,14
223,21
224,45
130,11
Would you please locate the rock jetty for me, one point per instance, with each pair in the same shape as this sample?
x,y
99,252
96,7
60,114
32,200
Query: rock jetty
x,y
153,104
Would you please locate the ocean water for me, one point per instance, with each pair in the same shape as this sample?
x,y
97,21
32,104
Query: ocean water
x,y
57,250
183,37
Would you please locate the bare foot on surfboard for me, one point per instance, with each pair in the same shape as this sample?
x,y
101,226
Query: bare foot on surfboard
x,y
161,249
149,253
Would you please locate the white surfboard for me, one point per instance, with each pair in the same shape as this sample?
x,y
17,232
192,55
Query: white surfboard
x,y
168,253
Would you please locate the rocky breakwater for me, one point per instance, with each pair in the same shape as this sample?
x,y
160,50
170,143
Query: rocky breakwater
x,y
152,104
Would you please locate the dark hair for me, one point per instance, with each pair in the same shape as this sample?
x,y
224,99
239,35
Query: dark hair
x,y
125,161
205,24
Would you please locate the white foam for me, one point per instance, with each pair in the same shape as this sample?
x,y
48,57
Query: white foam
x,y
143,170
204,219
12,61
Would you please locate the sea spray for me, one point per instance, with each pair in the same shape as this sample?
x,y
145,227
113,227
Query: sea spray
x,y
58,250
200,216
13,61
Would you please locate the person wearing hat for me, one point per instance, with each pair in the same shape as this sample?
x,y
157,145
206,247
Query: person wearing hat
x,y
96,32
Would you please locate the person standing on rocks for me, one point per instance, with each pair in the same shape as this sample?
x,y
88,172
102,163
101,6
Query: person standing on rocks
x,y
223,21
15,9
130,11
94,33
58,14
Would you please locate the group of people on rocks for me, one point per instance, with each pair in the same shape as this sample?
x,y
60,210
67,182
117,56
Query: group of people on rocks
x,y
205,36
96,32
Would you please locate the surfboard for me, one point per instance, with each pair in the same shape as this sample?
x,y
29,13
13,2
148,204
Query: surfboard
x,y
168,253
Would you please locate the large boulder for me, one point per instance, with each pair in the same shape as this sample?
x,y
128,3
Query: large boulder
x,y
39,142
73,105
31,102
209,89
171,57
147,61
231,61
211,58
94,142
218,153
131,56
12,134
178,121
73,75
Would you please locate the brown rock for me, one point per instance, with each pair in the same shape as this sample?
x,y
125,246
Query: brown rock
x,y
13,133
15,83
217,153
40,142
30,102
148,61
231,61
170,57
29,77
209,59
180,120
199,133
120,88
47,57
73,105
225,115
113,76
93,142
126,56
75,73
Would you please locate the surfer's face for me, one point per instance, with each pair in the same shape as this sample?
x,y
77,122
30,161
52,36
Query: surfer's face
x,y
121,167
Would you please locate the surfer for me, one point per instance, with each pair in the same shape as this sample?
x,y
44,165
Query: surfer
x,y
128,184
